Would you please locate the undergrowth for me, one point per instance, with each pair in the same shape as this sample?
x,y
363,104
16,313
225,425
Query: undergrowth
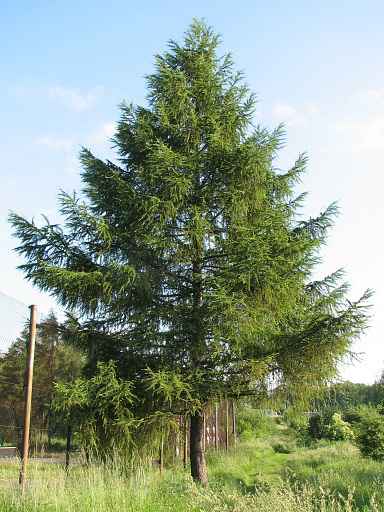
x,y
254,476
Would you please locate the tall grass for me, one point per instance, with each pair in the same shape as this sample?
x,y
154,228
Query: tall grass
x,y
252,477
97,490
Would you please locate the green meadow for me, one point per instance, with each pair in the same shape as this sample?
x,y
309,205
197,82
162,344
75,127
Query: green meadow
x,y
268,472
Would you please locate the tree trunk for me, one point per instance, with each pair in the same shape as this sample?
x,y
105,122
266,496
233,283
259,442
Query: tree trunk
x,y
196,451
198,465
204,431
68,446
216,426
234,433
185,441
161,454
226,425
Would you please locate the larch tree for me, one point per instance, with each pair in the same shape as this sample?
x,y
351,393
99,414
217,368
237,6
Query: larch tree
x,y
185,259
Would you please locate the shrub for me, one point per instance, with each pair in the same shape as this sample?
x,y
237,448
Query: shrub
x,y
370,436
329,425
355,415
1,439
316,426
380,408
296,420
337,429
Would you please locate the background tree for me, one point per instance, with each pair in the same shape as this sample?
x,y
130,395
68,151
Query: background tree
x,y
185,261
55,361
341,396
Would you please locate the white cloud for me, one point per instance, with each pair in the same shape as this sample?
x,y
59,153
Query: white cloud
x,y
99,137
56,143
293,116
66,147
103,134
371,96
367,134
362,128
99,140
74,98
357,122
284,111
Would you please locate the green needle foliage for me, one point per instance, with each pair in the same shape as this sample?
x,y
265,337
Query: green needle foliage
x,y
185,259
102,409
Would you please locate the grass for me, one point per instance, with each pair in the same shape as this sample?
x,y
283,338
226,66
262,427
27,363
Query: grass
x,y
255,476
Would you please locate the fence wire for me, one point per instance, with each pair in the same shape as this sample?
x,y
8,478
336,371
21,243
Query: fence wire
x,y
14,317
219,429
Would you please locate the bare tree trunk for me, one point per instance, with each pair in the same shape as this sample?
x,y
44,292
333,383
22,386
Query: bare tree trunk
x,y
176,453
185,440
196,452
234,433
204,431
226,425
161,454
68,446
198,465
216,426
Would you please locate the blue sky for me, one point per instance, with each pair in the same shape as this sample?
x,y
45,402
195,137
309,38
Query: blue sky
x,y
65,67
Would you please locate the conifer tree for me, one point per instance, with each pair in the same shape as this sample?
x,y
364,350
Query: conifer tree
x,y
185,259
55,361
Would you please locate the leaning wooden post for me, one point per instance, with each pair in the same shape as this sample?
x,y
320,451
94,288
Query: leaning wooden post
x,y
185,446
161,453
177,439
226,424
68,446
234,422
216,426
28,396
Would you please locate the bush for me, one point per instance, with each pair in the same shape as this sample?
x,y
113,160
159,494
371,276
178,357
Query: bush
x,y
370,436
316,426
296,420
380,408
1,439
329,425
338,430
355,415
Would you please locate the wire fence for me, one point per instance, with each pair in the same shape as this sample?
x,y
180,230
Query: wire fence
x,y
219,433
14,317
11,436
219,429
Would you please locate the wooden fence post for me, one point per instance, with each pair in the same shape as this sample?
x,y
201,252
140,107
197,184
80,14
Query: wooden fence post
x,y
204,430
226,424
234,422
185,444
68,446
28,396
216,426
161,453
